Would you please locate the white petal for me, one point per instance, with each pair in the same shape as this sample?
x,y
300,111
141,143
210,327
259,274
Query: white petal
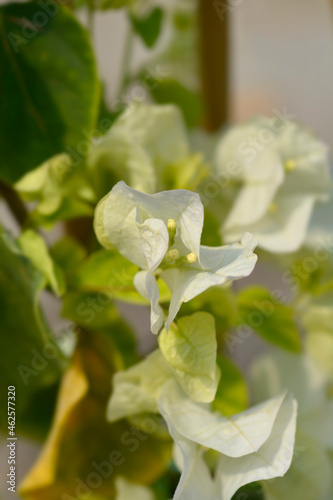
x,y
271,460
236,436
218,265
195,482
137,389
146,284
283,229
154,241
124,208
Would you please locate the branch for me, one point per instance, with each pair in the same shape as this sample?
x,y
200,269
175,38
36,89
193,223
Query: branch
x,y
14,202
214,59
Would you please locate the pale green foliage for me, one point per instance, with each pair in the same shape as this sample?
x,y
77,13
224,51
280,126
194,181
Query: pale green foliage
x,y
190,349
34,247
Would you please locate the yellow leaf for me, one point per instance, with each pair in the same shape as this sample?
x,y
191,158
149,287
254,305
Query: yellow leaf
x,y
84,453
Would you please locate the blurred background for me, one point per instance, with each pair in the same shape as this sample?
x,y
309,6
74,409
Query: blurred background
x,y
281,59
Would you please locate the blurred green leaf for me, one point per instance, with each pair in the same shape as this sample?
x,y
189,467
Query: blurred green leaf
x,y
149,27
94,312
34,247
108,273
186,173
68,254
271,319
50,90
232,394
171,91
29,357
220,302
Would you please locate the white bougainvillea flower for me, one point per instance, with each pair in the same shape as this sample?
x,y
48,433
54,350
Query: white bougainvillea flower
x,y
280,171
310,475
142,142
254,445
161,234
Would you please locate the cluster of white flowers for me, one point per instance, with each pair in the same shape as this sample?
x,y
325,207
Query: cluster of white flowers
x,y
161,234
278,175
280,171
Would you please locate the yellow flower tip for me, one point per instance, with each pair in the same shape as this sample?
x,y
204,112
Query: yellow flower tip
x,y
172,254
290,165
191,258
172,225
272,208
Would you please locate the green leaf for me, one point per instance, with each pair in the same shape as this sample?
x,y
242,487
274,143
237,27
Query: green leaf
x,y
190,349
50,91
68,254
232,394
168,90
34,247
108,272
29,357
268,317
149,27
186,173
220,302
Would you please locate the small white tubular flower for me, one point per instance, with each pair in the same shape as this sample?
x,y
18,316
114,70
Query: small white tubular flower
x,y
281,170
161,234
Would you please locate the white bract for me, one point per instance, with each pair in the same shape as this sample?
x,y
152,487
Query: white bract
x,y
142,142
280,170
310,475
161,234
253,445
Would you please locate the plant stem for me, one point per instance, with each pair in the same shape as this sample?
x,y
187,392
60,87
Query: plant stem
x,y
214,58
15,203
